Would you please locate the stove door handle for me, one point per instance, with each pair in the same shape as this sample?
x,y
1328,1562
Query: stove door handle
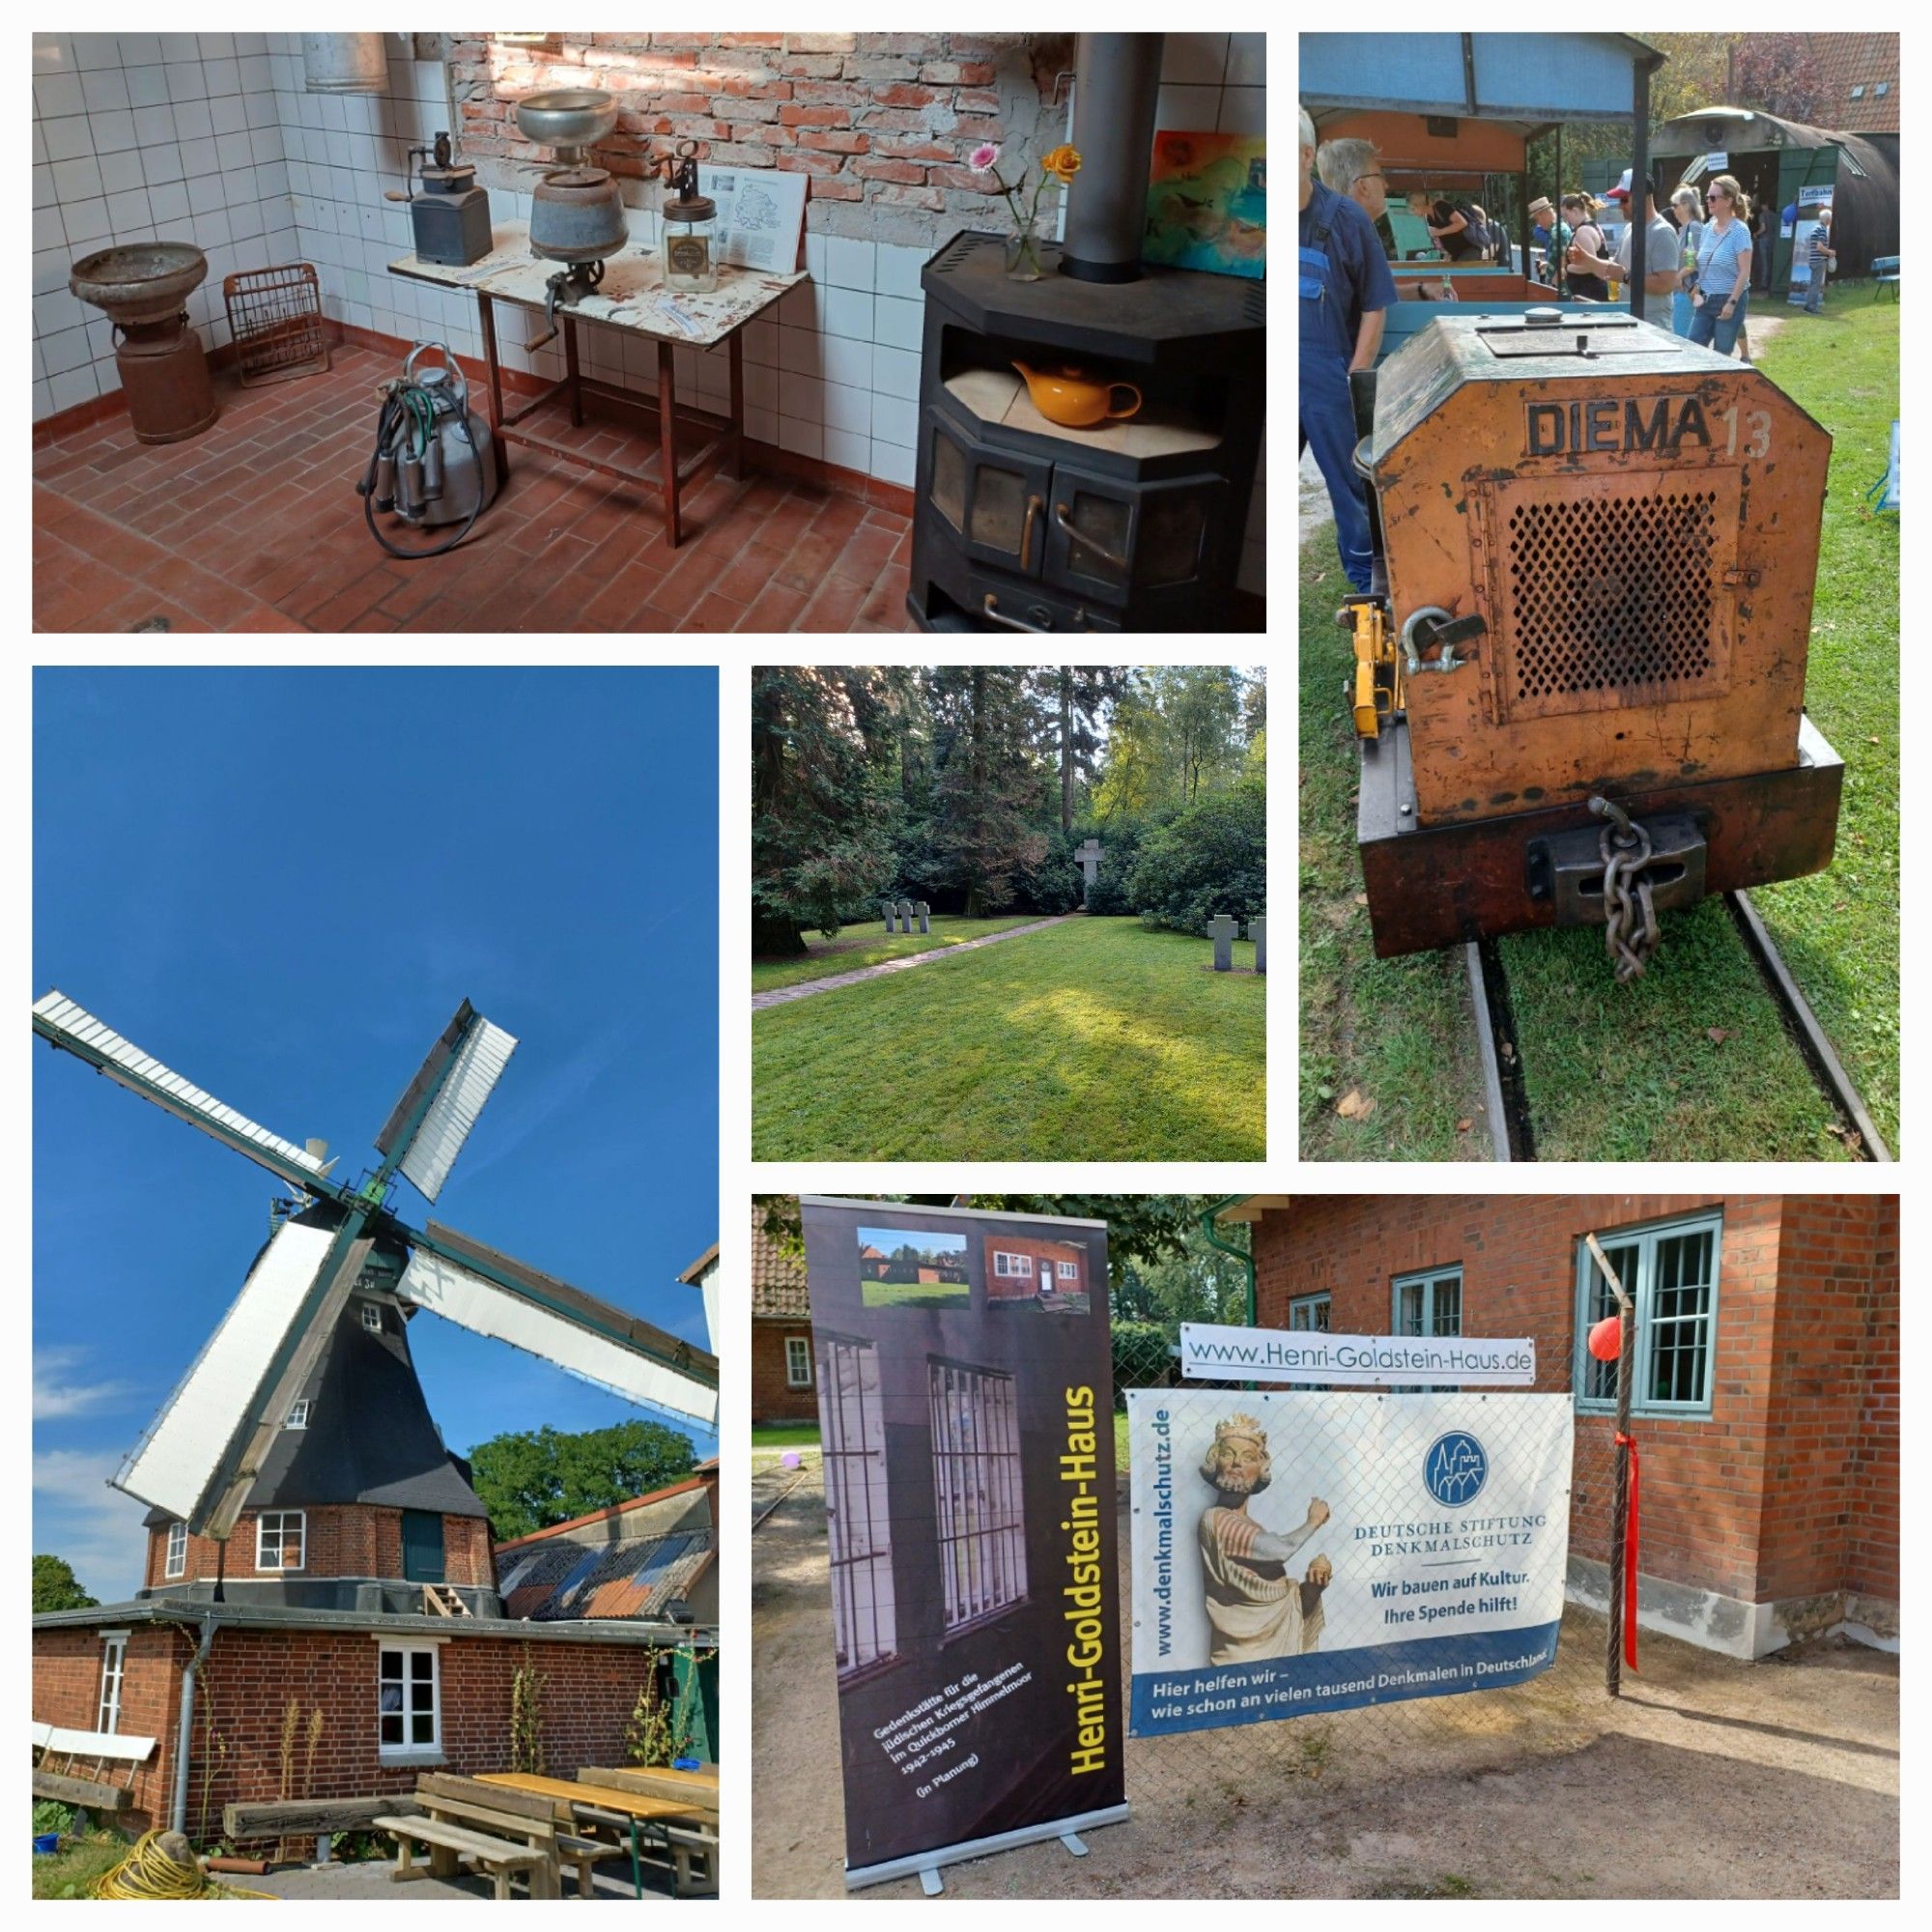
x,y
1034,506
1063,517
991,607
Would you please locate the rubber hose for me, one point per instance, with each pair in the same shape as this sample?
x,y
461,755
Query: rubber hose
x,y
405,418
148,1873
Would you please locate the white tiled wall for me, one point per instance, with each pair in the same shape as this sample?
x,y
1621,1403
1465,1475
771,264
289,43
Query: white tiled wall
x,y
139,137
213,138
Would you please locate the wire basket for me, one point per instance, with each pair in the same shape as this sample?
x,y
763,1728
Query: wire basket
x,y
274,316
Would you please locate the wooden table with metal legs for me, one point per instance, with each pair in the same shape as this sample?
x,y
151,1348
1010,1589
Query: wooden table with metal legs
x,y
631,298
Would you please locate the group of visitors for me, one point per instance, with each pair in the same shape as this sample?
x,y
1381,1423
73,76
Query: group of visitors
x,y
1700,255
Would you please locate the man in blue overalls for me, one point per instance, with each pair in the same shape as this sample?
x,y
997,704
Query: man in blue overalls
x,y
1346,285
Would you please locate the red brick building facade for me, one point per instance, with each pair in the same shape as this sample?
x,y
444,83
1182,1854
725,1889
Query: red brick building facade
x,y
337,1540
784,1371
1770,1461
1018,1267
259,1660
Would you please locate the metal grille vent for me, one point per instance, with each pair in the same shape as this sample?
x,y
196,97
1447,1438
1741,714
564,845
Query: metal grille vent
x,y
1608,592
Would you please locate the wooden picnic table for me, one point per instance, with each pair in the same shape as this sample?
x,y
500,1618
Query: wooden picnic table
x,y
571,1797
632,300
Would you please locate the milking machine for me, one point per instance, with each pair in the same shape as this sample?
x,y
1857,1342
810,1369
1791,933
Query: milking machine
x,y
435,462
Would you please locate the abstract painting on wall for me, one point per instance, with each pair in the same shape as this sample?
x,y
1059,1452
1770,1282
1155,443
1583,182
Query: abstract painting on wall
x,y
1207,204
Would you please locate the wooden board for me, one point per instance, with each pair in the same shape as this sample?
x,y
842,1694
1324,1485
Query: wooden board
x,y
304,1819
997,397
696,1789
630,295
631,1803
80,1791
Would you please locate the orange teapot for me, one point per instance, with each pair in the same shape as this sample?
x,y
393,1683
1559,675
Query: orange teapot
x,y
1075,399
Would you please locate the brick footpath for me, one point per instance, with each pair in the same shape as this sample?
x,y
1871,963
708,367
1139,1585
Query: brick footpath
x,y
884,122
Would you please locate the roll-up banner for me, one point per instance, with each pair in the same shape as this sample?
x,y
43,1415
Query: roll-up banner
x,y
1316,1551
965,1382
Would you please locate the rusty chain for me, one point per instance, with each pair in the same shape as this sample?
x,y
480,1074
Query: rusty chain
x,y
1629,919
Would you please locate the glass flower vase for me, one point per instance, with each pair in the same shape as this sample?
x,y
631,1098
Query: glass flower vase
x,y
1023,253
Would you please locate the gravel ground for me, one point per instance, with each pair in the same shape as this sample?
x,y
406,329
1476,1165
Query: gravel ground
x,y
1771,1780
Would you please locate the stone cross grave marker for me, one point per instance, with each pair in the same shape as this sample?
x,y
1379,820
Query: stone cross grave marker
x,y
905,915
1222,929
1089,857
1258,931
890,916
924,912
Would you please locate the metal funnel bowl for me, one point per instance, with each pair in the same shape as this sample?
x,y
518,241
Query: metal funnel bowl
x,y
570,119
145,281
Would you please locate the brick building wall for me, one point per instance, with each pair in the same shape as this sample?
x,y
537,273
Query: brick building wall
x,y
1046,1257
340,1540
773,1398
588,1693
1754,1501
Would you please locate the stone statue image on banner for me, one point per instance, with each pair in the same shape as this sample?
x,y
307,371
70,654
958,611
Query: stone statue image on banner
x,y
1256,1608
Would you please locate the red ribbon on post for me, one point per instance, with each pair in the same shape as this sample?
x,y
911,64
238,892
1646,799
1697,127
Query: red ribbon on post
x,y
1629,1556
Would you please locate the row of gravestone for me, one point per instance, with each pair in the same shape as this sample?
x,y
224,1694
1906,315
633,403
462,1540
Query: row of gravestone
x,y
899,916
1224,928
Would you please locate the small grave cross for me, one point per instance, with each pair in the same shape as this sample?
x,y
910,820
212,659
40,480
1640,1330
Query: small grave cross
x,y
1088,856
1222,929
905,915
924,916
891,914
1258,931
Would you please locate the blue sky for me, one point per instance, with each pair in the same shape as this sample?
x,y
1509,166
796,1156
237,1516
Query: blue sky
x,y
281,884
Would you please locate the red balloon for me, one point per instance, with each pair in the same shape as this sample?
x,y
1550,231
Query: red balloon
x,y
1606,1341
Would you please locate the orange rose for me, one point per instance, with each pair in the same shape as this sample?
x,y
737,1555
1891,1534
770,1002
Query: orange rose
x,y
1062,163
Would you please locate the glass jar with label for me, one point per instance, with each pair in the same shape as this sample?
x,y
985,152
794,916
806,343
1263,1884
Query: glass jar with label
x,y
690,237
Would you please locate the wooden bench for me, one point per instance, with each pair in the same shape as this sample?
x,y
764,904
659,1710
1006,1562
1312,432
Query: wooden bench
x,y
62,1756
505,1832
691,1849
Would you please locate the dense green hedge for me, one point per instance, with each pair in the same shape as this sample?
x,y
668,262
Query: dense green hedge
x,y
1209,858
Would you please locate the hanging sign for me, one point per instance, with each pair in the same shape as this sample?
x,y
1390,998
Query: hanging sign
x,y
965,1401
1317,1552
1211,1353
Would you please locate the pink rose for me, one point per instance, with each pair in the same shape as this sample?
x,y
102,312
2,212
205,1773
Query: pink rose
x,y
983,157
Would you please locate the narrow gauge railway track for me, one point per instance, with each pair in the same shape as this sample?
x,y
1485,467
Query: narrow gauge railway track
x,y
1506,1096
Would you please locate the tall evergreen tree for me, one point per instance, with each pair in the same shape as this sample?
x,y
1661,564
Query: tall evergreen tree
x,y
1075,695
821,821
990,784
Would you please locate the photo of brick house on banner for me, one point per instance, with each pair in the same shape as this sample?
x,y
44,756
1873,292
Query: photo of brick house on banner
x,y
1765,1394
782,1384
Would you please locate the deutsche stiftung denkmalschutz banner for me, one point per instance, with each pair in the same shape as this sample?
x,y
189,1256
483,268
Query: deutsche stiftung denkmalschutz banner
x,y
1315,1551
965,1382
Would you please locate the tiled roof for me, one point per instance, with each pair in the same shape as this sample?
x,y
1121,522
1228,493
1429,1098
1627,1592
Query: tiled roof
x,y
1847,60
778,1278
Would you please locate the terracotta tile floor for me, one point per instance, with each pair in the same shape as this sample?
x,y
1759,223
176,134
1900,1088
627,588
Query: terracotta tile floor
x,y
255,525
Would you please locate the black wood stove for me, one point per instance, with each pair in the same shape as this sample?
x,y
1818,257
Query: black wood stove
x,y
1132,524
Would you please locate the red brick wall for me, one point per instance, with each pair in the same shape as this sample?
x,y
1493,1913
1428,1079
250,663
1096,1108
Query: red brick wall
x,y
1703,1479
772,1401
1045,1254
341,1540
886,120
588,1693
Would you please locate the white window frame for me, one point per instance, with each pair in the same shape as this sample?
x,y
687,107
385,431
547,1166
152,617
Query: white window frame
x,y
1012,1267
1066,1270
175,1564
281,1518
798,1361
1647,1237
113,1679
298,1417
374,1309
858,1509
389,1753
979,1494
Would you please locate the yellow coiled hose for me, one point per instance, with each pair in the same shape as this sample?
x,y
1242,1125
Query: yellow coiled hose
x,y
148,1873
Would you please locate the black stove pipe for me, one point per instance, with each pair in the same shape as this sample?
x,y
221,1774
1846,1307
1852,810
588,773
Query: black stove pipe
x,y
1116,90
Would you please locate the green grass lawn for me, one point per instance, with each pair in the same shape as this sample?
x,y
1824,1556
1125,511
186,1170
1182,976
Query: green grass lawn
x,y
784,1436
915,1294
868,944
1093,1040
1630,1074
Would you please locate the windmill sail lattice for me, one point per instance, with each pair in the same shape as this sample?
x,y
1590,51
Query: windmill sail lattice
x,y
203,1452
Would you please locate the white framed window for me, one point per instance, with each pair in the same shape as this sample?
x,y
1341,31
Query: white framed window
x,y
279,1538
1670,1272
1068,1270
298,1414
409,1704
975,1482
176,1562
1018,1267
1308,1313
798,1361
372,1317
113,1670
